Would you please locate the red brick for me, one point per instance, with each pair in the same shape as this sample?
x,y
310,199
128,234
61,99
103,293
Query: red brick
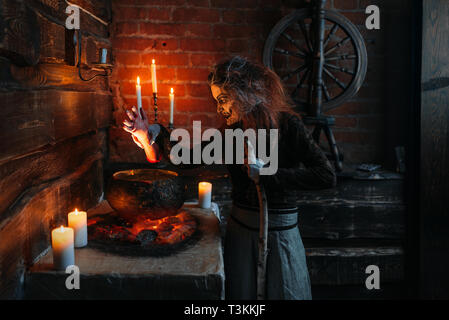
x,y
196,15
144,74
192,74
357,18
204,59
171,59
239,45
158,14
197,30
158,29
130,14
234,16
356,108
163,90
346,4
207,45
230,31
195,105
198,90
125,28
198,3
344,122
131,101
234,3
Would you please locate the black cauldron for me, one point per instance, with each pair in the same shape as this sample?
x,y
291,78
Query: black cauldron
x,y
152,192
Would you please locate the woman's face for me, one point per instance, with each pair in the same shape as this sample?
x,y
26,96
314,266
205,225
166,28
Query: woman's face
x,y
224,105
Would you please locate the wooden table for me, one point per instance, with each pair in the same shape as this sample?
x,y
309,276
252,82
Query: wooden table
x,y
197,272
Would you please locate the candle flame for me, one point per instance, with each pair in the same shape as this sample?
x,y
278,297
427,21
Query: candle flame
x,y
153,61
62,228
171,90
76,211
138,81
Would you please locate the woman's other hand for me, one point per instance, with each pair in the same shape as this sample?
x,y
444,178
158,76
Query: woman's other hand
x,y
137,125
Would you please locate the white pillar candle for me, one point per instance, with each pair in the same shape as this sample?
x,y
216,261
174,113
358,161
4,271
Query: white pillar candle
x,y
63,249
139,94
153,76
172,103
78,222
204,194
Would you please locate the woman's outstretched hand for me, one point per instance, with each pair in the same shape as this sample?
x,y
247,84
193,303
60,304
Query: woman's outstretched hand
x,y
137,125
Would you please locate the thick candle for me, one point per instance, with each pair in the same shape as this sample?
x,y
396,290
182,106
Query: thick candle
x,y
139,94
153,76
63,249
172,103
204,194
78,222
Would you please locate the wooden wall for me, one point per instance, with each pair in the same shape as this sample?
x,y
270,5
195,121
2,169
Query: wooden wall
x,y
53,127
434,160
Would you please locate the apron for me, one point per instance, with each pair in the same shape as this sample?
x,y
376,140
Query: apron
x,y
287,277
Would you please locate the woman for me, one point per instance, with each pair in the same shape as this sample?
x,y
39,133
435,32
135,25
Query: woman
x,y
251,96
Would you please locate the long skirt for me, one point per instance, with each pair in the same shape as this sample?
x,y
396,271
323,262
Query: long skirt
x,y
287,276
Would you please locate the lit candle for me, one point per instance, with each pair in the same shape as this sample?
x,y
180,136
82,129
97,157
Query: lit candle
x,y
63,249
205,194
172,103
139,94
153,76
78,222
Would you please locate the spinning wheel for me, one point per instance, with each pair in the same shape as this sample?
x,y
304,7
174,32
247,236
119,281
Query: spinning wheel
x,y
321,58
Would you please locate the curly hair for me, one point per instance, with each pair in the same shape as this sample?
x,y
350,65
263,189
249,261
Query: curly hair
x,y
255,90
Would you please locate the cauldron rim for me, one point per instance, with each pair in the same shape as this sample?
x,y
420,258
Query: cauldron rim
x,y
169,174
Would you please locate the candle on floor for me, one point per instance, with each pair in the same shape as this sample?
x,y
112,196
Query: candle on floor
x,y
78,222
63,248
153,76
204,194
172,103
139,94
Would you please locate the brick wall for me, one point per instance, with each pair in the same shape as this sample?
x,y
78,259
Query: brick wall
x,y
186,37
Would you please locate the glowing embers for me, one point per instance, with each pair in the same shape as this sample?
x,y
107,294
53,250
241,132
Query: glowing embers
x,y
141,235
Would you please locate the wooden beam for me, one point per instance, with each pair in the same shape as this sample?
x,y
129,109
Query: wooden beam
x,y
18,175
36,119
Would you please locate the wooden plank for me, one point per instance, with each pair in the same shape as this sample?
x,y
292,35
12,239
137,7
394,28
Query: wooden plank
x,y
358,220
20,34
55,11
47,76
347,265
25,231
434,152
35,119
18,175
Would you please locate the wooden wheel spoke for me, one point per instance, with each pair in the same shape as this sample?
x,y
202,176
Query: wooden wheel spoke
x,y
299,54
294,42
301,81
341,69
302,26
342,57
326,92
297,70
340,84
338,45
331,33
